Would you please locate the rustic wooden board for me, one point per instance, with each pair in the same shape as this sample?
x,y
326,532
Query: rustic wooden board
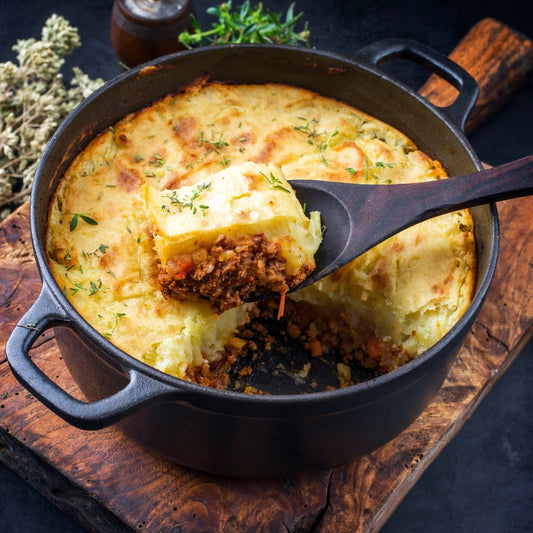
x,y
107,482
104,480
499,58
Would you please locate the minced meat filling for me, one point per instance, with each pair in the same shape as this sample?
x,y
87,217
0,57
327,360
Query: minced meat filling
x,y
230,272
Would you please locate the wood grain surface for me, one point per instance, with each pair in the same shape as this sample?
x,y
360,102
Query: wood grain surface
x,y
500,60
107,482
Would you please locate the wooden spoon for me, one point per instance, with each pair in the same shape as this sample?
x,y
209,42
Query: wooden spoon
x,y
357,217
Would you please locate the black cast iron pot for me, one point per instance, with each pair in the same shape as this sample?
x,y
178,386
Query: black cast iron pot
x,y
232,433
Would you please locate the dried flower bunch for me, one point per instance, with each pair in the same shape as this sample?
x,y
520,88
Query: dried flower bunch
x,y
33,102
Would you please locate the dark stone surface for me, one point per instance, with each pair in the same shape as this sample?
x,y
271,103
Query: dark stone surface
x,y
483,480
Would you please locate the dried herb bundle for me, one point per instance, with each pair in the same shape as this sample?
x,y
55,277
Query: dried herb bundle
x,y
33,102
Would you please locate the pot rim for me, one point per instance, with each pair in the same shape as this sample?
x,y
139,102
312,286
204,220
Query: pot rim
x,y
79,324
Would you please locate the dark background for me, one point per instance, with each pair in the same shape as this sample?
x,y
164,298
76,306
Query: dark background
x,y
483,480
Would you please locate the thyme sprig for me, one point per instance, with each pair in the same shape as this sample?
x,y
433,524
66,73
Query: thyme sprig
x,y
216,144
181,202
34,100
274,182
247,24
86,218
93,288
319,139
368,168
101,250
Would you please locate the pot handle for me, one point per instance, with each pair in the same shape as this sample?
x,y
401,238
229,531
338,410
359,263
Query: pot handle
x,y
388,49
141,390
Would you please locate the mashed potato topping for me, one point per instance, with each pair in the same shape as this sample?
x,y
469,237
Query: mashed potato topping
x,y
118,256
239,233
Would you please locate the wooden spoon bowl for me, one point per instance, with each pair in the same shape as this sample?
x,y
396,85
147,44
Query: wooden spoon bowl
x,y
358,216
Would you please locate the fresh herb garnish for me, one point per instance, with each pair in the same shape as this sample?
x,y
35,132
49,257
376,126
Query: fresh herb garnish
x,y
320,139
182,202
157,161
117,316
93,288
102,249
215,145
224,161
246,24
86,218
274,182
218,143
367,168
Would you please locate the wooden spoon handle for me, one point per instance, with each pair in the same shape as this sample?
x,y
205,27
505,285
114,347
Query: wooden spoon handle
x,y
499,58
427,199
360,216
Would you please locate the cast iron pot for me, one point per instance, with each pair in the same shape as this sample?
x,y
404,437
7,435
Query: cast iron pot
x,y
226,432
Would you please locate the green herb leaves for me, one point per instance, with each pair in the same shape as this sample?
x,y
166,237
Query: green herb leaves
x,y
86,218
275,183
247,24
215,144
186,201
93,288
368,168
320,139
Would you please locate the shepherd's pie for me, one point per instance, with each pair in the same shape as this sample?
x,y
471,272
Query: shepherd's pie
x,y
120,257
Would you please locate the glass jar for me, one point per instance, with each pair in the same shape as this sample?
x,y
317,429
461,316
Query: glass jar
x,y
142,30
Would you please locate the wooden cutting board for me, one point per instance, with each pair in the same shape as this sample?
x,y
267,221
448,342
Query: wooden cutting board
x,y
107,482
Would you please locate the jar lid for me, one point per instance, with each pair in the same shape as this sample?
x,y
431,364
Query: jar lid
x,y
155,12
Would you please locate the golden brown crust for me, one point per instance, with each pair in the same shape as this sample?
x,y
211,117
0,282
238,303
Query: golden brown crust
x,y
384,308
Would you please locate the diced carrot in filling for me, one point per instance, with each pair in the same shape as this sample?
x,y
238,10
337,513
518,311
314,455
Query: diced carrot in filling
x,y
180,265
231,271
375,347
